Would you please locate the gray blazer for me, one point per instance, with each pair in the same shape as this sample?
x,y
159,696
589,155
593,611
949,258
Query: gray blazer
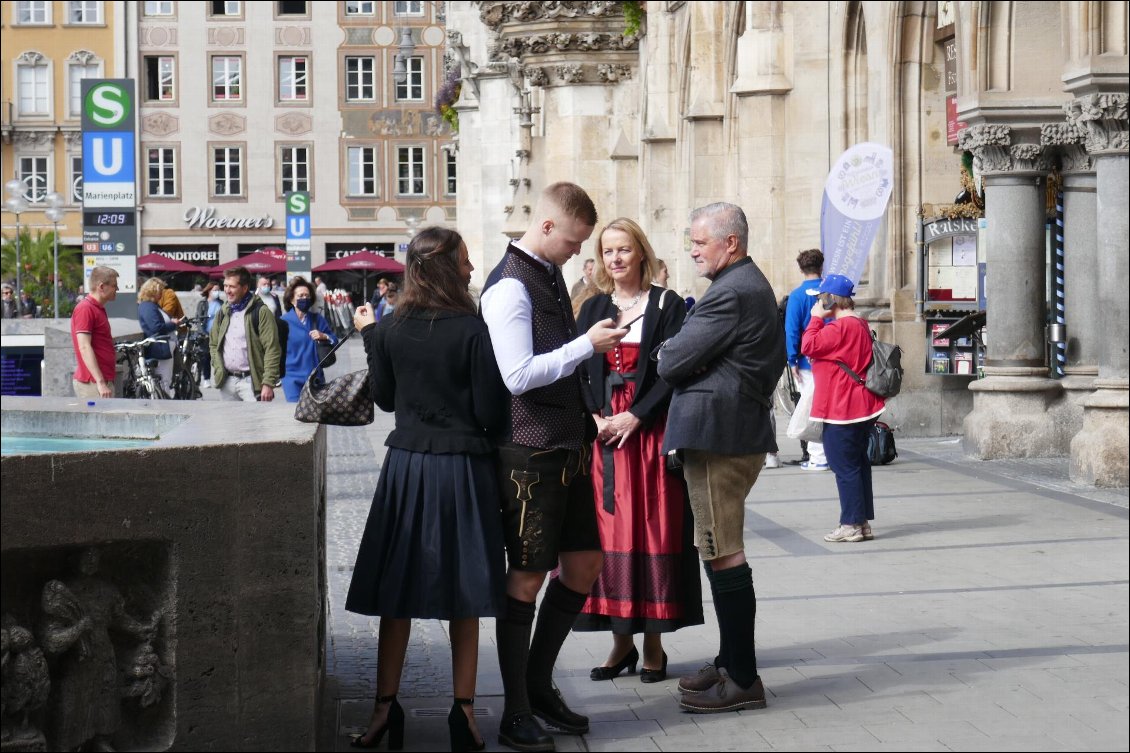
x,y
724,365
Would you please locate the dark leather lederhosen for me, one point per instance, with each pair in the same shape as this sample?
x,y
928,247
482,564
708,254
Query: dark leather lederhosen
x,y
551,432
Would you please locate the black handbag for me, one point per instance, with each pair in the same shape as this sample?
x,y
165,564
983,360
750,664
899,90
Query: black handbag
x,y
344,401
326,355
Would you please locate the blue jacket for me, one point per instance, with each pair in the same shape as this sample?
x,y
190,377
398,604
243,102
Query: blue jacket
x,y
301,350
796,319
154,325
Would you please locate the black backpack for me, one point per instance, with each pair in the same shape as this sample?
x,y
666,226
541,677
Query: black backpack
x,y
881,444
283,333
884,375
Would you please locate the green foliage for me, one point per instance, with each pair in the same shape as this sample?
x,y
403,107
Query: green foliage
x,y
37,256
633,17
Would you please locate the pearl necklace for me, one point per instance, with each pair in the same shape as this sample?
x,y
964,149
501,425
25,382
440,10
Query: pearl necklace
x,y
629,306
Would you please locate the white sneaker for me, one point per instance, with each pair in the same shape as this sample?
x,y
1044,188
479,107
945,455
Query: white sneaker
x,y
810,466
205,383
772,460
845,533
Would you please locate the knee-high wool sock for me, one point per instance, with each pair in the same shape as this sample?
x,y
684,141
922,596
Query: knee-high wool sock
x,y
720,659
559,610
736,605
512,633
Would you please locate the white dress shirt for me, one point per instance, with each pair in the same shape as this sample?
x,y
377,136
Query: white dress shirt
x,y
508,312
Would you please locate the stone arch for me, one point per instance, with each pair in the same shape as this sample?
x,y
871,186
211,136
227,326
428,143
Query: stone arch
x,y
856,103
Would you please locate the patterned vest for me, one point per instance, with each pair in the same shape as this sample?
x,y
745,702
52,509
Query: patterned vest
x,y
552,416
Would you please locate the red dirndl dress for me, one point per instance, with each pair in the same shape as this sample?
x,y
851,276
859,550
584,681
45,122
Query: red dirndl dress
x,y
650,579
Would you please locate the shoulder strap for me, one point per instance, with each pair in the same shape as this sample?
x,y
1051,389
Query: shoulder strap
x,y
663,298
851,373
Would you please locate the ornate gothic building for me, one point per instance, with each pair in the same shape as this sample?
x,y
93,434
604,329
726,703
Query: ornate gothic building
x,y
659,107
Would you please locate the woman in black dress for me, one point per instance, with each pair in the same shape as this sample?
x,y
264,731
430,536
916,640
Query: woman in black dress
x,y
433,545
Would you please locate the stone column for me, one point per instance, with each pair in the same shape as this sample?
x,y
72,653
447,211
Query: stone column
x,y
1010,405
1080,252
1099,453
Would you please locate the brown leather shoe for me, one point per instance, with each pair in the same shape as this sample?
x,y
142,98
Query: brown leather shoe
x,y
704,679
725,695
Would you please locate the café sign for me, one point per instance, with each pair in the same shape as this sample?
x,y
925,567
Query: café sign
x,y
204,218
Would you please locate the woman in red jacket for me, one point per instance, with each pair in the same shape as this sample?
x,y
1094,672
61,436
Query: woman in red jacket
x,y
847,408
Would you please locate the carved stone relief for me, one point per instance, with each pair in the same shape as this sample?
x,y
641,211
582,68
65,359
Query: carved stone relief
x,y
158,36
226,36
294,123
82,57
292,36
87,660
31,57
33,140
160,124
406,123
991,144
227,124
1102,119
1067,140
496,14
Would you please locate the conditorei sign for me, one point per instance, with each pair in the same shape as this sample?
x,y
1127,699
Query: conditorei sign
x,y
204,218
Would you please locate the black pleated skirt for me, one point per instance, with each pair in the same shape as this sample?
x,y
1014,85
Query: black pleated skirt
x,y
433,544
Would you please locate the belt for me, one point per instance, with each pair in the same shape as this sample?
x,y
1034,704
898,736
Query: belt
x,y
239,374
612,381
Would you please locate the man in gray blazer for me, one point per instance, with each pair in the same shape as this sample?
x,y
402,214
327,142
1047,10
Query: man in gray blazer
x,y
724,364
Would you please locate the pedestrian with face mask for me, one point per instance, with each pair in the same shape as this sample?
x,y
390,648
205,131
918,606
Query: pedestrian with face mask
x,y
307,328
269,298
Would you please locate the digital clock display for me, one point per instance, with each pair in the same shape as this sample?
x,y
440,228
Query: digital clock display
x,y
107,219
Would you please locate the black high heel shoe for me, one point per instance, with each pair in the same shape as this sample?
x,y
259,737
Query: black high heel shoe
x,y
394,726
655,675
460,727
631,659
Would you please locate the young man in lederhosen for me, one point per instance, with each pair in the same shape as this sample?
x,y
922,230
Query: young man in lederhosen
x,y
549,517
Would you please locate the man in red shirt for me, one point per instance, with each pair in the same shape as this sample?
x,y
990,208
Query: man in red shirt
x,y
90,334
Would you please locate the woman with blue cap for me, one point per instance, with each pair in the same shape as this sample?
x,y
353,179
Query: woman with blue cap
x,y
835,340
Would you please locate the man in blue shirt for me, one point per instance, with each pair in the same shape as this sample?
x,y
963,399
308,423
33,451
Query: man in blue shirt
x,y
811,263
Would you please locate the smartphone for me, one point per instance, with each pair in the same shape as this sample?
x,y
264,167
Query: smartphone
x,y
625,325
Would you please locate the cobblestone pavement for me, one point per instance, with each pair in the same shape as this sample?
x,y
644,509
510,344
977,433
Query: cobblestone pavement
x,y
990,613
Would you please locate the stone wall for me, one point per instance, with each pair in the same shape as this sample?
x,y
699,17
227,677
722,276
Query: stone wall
x,y
216,530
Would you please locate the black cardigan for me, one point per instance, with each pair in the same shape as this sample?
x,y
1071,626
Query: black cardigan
x,y
436,370
653,395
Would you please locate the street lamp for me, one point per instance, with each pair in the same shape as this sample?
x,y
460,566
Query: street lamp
x,y
55,214
17,205
404,51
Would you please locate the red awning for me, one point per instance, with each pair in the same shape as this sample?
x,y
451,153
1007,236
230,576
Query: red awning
x,y
162,263
259,263
362,261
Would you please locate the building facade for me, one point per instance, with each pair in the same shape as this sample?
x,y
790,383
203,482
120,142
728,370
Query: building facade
x,y
48,48
680,104
239,103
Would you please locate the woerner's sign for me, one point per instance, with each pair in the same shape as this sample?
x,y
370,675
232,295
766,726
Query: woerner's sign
x,y
204,218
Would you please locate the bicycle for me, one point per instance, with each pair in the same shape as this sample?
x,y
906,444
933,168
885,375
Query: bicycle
x,y
141,378
194,354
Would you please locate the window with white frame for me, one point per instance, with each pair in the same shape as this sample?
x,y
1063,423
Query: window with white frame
x,y
84,12
412,90
158,7
227,78
162,163
33,87
227,167
76,72
449,174
292,78
410,171
360,82
294,169
360,8
35,174
412,8
362,170
33,12
160,78
76,180
226,8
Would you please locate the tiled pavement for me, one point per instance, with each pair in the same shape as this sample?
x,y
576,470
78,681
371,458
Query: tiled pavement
x,y
990,613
